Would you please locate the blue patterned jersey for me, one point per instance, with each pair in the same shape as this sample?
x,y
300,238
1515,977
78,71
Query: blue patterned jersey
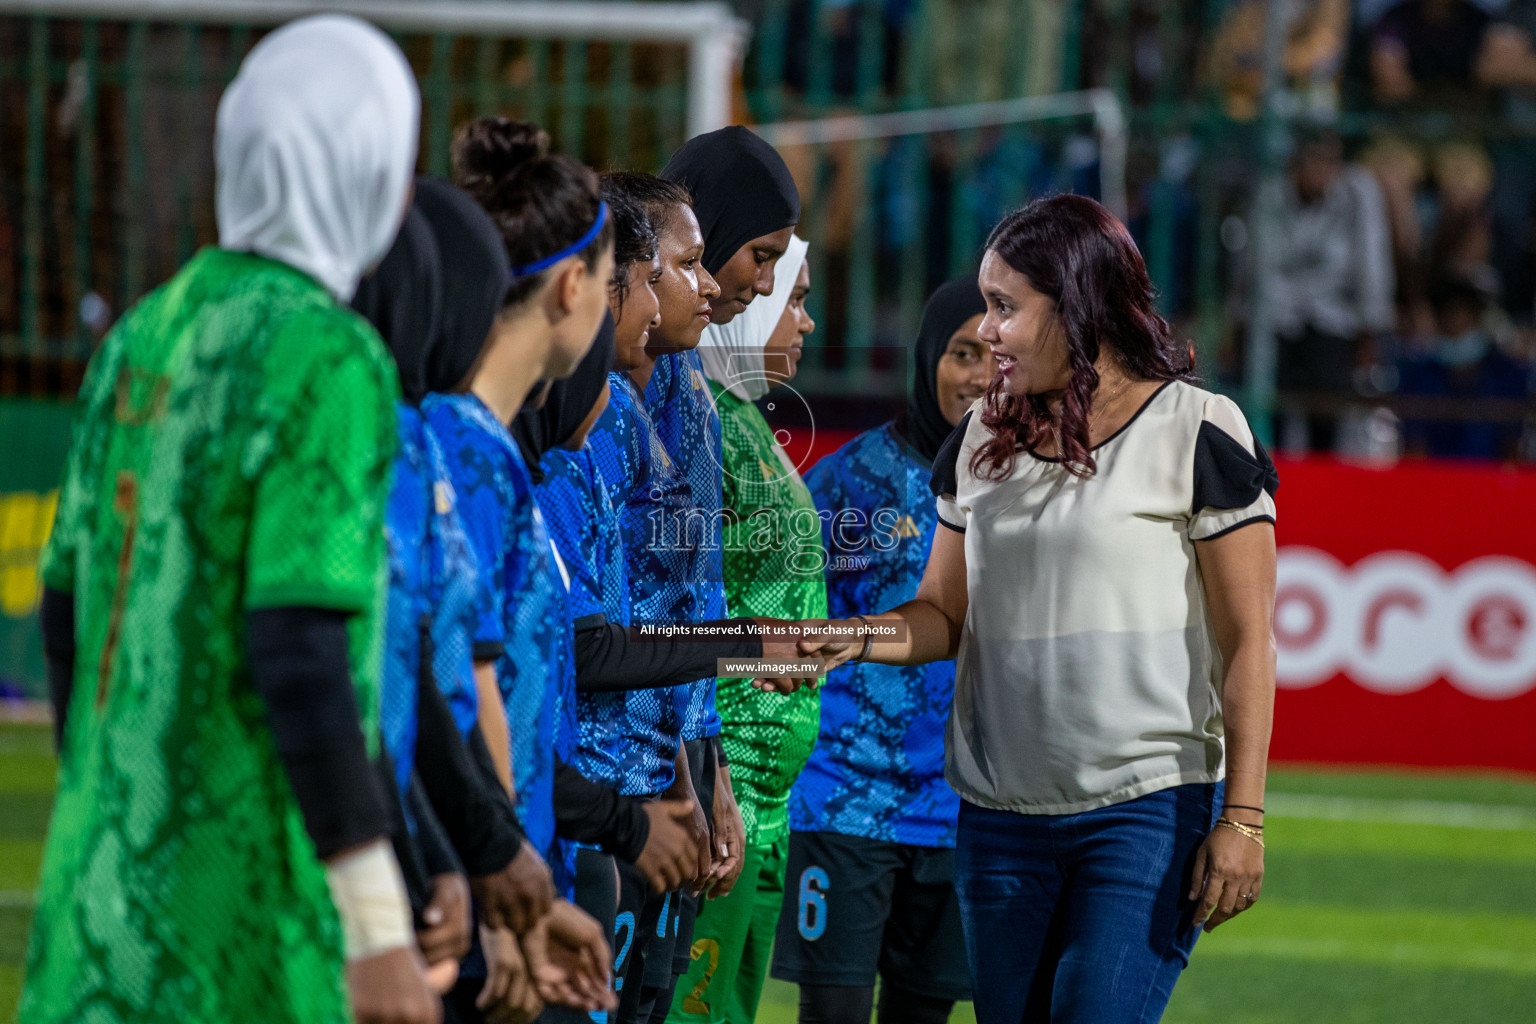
x,y
462,607
621,745
544,616
436,593
878,767
535,672
631,465
407,608
584,526
679,401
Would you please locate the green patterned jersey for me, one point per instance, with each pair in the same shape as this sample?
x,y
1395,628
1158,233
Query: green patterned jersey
x,y
774,566
231,451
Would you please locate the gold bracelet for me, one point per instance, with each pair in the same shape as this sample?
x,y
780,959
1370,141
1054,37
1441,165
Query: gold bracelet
x,y
1242,830
1243,825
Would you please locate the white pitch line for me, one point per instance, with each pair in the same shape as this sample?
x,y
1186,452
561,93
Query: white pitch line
x,y
1407,954
1501,817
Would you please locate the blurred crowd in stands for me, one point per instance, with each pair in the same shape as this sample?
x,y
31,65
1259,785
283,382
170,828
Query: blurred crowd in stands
x,y
1400,264
1401,274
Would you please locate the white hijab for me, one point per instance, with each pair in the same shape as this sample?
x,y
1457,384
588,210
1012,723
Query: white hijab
x,y
315,149
733,353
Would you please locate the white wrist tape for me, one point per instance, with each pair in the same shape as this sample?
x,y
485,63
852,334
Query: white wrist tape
x,y
370,900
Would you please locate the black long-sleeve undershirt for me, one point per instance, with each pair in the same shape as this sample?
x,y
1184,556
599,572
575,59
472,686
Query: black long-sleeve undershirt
x,y
56,615
299,666
610,657
408,850
460,781
589,812
437,852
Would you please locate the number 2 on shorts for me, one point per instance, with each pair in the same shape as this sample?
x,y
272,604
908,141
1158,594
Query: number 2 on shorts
x,y
694,1001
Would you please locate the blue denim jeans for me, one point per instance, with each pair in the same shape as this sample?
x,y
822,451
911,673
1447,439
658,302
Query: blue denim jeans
x,y
1081,918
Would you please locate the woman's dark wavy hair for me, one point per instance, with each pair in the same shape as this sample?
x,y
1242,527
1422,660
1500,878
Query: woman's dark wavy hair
x,y
1075,251
634,236
540,202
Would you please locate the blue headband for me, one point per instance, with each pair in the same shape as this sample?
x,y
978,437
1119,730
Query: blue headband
x,y
575,247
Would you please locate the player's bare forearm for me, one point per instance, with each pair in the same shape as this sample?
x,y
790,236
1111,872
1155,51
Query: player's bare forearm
x,y
730,835
682,781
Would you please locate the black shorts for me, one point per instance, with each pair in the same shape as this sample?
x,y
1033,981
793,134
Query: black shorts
x,y
645,933
701,766
597,888
855,907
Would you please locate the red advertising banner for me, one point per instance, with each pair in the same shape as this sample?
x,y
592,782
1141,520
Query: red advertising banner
x,y
1405,613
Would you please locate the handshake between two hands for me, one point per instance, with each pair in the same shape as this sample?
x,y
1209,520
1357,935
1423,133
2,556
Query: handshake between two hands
x,y
808,649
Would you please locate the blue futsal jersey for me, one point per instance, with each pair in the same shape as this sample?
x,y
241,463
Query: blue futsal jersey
x,y
620,742
630,739
407,608
535,671
878,767
584,526
683,409
436,599
543,603
462,607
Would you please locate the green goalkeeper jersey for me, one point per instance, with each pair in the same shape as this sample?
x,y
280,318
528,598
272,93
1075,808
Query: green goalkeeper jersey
x,y
231,452
774,566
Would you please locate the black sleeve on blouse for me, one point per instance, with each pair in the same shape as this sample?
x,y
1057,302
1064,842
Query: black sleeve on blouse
x,y
1226,476
946,464
487,650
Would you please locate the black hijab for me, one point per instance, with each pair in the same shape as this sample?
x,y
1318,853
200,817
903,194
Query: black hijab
x,y
566,403
402,298
741,190
475,277
949,307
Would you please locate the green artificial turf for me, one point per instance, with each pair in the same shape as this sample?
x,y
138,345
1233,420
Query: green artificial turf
x,y
1390,898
